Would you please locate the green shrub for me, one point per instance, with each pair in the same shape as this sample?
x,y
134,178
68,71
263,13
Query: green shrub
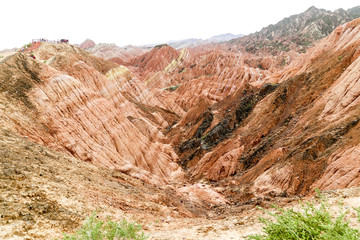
x,y
95,229
358,212
310,222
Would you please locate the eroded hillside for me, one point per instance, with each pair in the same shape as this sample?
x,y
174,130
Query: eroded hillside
x,y
207,125
283,138
298,32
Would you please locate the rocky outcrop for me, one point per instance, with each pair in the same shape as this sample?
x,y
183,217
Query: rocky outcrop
x,y
88,43
157,59
183,78
300,136
47,193
120,55
298,32
70,107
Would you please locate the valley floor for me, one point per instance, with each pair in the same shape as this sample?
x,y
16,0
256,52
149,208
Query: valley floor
x,y
247,223
45,193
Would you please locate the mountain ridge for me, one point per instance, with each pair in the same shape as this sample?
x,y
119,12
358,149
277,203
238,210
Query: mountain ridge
x,y
297,32
177,44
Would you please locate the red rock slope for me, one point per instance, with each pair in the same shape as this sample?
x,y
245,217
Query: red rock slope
x,y
182,78
284,138
211,111
68,105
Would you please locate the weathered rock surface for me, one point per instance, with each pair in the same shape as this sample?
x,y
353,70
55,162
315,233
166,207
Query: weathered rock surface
x,y
45,193
213,137
287,140
157,59
298,32
184,77
88,43
120,55
207,126
69,107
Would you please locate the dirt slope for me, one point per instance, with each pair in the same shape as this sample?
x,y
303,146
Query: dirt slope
x,y
45,193
59,105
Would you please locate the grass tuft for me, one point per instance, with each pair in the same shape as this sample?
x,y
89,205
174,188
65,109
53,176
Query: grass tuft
x,y
96,229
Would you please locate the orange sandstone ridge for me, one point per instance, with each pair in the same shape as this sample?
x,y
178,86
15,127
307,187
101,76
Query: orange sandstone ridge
x,y
289,140
71,107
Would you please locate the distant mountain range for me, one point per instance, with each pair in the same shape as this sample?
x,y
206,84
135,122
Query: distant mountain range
x,y
123,54
297,32
193,42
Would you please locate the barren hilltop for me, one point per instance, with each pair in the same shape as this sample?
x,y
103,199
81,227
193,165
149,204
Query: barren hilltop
x,y
186,141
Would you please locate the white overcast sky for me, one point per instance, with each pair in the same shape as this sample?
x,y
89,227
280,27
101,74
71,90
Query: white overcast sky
x,y
139,22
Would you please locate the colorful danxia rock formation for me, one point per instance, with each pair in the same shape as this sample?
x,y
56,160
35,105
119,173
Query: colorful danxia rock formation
x,y
199,132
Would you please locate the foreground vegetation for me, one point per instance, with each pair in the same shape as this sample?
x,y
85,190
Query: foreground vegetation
x,y
96,229
313,221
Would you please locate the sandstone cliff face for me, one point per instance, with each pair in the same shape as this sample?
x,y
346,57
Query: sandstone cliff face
x,y
69,107
157,59
182,78
284,138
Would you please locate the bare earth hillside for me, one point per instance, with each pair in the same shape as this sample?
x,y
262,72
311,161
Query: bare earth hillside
x,y
186,142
